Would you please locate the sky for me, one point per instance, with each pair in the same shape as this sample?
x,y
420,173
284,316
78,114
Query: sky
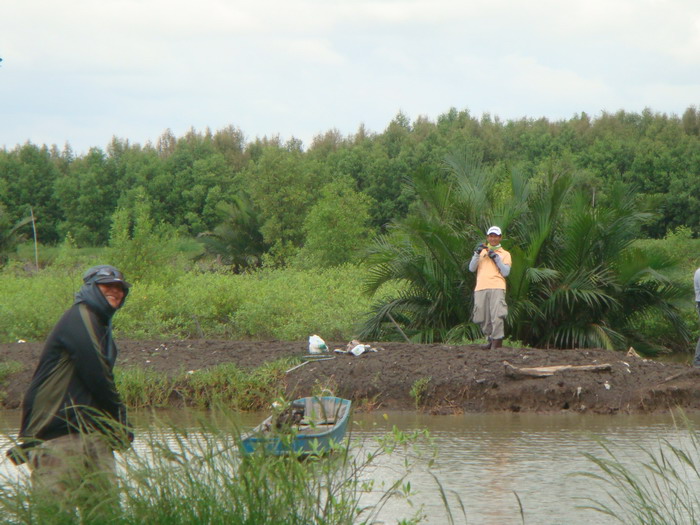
x,y
81,72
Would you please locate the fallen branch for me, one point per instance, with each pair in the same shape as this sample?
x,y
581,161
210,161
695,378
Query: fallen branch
x,y
546,371
670,378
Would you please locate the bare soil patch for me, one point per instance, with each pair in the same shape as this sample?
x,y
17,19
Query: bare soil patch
x,y
457,378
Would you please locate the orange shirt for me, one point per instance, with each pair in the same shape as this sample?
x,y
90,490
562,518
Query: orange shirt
x,y
488,276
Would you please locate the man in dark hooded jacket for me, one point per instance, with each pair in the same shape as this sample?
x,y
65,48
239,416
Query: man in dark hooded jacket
x,y
72,415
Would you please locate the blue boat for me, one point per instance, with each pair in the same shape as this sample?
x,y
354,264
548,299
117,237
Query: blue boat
x,y
309,426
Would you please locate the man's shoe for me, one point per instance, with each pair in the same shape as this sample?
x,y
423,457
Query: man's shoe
x,y
496,343
488,345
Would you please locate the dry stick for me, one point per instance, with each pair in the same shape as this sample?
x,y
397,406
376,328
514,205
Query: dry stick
x,y
546,371
398,327
671,378
298,366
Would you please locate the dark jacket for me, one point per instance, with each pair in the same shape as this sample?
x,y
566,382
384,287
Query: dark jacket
x,y
73,386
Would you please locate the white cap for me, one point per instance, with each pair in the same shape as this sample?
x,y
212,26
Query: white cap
x,y
495,230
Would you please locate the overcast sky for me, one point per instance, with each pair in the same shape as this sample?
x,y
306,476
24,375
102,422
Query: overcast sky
x,y
83,71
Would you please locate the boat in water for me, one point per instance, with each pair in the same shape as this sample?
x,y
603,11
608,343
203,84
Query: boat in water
x,y
308,426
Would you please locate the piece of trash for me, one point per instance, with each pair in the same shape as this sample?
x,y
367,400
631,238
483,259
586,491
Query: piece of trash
x,y
294,368
606,385
355,348
358,350
632,352
21,341
317,345
352,344
317,357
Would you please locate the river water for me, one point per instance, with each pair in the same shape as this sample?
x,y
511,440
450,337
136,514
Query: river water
x,y
489,461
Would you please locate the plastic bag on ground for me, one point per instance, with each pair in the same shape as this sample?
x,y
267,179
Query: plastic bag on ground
x,y
317,345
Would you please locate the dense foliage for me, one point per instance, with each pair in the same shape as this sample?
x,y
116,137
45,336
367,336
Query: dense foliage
x,y
578,279
193,179
557,187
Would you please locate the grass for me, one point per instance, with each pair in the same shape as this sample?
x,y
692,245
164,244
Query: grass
x,y
222,385
197,476
660,488
7,368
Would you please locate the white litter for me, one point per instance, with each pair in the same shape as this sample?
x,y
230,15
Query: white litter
x,y
317,345
358,349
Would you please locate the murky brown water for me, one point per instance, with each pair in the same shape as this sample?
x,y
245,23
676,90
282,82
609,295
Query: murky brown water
x,y
485,460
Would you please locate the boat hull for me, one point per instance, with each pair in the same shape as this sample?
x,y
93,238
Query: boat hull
x,y
324,425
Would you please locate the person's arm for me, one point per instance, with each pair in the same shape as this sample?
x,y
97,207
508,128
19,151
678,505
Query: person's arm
x,y
502,267
474,263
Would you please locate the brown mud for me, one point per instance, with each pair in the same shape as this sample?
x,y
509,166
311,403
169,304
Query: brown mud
x,y
456,379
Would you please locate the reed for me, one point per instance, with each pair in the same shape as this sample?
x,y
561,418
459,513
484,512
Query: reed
x,y
196,475
651,486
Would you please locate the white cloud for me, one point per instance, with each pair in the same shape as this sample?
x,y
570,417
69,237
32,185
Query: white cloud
x,y
83,70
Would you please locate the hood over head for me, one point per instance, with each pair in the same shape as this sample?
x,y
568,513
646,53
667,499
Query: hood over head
x,y
91,294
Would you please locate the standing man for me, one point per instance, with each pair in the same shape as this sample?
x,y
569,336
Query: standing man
x,y
72,415
696,281
492,265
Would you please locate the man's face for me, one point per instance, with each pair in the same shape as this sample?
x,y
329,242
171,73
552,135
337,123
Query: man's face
x,y
494,240
113,292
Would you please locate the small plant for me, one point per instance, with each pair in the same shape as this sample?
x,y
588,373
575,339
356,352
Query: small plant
x,y
327,388
419,389
7,368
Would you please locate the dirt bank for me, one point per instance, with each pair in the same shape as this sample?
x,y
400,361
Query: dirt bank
x,y
457,378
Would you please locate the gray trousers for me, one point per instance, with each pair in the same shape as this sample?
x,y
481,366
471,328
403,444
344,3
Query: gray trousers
x,y
76,471
696,361
490,311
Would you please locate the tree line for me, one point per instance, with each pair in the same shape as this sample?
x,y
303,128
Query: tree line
x,y
278,200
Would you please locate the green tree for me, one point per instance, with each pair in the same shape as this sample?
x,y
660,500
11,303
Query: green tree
x,y
283,186
10,234
237,238
27,176
139,247
337,226
87,196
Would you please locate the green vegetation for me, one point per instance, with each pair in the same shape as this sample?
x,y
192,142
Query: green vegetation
x,y
272,186
656,487
282,304
578,279
419,389
7,368
283,231
196,475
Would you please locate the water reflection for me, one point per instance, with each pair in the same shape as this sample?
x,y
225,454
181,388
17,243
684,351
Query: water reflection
x,y
483,460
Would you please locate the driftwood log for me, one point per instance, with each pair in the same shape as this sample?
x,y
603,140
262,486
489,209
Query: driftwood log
x,y
546,371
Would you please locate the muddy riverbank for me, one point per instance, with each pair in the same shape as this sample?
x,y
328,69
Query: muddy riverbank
x,y
447,379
